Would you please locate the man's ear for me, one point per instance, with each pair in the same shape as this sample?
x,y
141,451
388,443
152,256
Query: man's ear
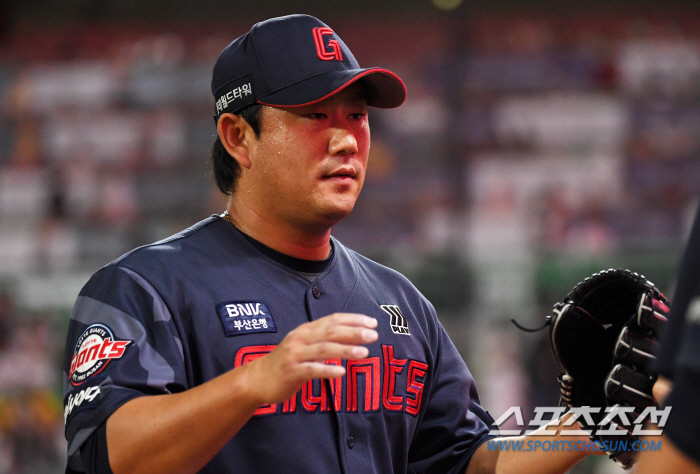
x,y
237,136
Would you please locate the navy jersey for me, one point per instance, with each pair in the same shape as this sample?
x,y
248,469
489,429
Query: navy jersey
x,y
679,358
170,316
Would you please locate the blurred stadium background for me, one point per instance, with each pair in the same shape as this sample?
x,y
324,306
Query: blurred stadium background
x,y
539,143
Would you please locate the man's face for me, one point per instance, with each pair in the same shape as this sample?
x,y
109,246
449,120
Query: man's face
x,y
308,165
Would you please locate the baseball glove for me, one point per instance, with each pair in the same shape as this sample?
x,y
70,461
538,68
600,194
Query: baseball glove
x,y
604,337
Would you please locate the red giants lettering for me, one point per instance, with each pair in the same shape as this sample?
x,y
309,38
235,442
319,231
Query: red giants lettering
x,y
367,382
415,387
312,402
392,368
369,368
249,354
322,402
336,385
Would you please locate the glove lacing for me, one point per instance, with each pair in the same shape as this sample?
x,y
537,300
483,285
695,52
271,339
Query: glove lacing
x,y
566,387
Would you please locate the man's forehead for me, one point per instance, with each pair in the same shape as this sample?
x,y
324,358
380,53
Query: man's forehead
x,y
354,94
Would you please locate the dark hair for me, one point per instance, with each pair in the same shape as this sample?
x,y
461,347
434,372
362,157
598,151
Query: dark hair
x,y
226,168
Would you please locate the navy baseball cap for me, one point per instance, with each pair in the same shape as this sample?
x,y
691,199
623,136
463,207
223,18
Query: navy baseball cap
x,y
294,60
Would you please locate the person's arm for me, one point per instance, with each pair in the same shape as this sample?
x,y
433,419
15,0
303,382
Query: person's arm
x,y
535,461
668,460
180,433
678,447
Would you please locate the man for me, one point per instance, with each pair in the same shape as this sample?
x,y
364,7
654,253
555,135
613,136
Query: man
x,y
254,342
679,368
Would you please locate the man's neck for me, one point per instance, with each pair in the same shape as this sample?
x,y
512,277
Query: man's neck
x,y
278,236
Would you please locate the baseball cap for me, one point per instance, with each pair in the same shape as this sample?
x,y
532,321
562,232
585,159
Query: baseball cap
x,y
294,60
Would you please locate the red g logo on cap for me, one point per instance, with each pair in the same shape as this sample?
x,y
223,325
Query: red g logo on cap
x,y
321,50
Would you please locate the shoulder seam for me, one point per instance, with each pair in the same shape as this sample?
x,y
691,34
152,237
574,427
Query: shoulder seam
x,y
180,235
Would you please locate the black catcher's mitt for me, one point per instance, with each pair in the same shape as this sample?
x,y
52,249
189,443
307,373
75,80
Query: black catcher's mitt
x,y
604,337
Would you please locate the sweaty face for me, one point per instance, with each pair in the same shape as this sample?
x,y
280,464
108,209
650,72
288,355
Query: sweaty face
x,y
308,165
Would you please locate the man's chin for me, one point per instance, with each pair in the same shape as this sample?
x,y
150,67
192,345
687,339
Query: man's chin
x,y
332,219
331,215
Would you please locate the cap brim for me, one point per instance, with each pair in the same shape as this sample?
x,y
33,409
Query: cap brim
x,y
384,89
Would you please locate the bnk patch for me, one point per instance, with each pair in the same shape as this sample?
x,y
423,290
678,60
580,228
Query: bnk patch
x,y
245,317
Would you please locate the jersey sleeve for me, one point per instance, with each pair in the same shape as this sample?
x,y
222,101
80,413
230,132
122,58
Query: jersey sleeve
x,y
454,424
122,343
679,357
683,426
686,295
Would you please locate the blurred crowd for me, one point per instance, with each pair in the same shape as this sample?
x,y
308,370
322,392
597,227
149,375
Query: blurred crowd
x,y
532,151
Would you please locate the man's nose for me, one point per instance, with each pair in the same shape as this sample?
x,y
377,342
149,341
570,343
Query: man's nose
x,y
343,141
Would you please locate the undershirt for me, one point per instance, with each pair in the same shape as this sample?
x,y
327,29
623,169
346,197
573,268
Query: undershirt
x,y
309,269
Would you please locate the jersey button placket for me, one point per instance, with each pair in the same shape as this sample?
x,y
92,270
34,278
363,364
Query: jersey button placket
x,y
351,442
316,292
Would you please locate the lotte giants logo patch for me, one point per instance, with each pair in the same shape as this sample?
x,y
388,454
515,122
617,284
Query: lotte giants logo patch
x,y
95,348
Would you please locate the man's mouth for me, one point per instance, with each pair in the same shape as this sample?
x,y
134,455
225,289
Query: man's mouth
x,y
340,174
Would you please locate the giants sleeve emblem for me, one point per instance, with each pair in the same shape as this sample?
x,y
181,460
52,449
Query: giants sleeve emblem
x,y
399,325
95,348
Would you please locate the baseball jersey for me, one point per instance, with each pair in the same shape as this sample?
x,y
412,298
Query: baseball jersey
x,y
679,357
172,315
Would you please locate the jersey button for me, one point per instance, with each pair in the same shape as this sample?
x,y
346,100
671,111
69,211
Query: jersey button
x,y
316,292
351,442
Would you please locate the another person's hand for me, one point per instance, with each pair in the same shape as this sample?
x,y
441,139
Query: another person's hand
x,y
661,389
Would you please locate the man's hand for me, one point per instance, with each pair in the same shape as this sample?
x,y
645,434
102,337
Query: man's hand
x,y
302,355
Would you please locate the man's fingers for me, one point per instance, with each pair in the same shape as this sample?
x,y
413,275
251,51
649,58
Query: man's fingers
x,y
323,351
321,370
350,319
343,335
345,328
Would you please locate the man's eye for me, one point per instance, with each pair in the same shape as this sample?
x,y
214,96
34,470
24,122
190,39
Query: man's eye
x,y
317,116
358,116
